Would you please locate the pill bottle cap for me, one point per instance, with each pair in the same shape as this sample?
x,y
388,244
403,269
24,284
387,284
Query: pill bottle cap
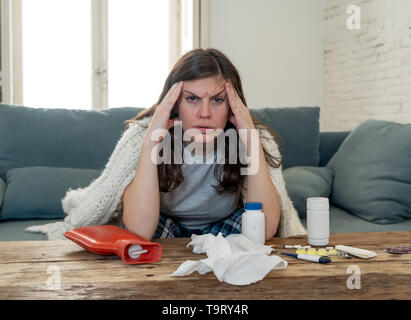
x,y
253,206
318,203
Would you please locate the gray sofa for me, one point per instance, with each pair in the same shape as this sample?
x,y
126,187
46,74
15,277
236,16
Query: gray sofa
x,y
44,152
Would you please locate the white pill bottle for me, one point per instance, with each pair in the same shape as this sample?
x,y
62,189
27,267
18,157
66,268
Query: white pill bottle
x,y
253,222
318,221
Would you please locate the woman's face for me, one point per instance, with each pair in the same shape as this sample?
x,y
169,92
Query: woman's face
x,y
203,104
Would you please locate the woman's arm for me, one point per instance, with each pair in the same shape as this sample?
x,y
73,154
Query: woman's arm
x,y
141,199
260,188
259,185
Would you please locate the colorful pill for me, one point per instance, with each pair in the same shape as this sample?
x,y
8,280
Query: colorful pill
x,y
312,251
332,252
322,252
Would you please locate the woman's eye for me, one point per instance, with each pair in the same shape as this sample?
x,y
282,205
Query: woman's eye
x,y
192,99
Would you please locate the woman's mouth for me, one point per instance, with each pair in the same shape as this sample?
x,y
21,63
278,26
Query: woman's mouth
x,y
204,129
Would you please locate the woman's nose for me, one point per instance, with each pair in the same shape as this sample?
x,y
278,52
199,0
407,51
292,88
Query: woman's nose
x,y
205,110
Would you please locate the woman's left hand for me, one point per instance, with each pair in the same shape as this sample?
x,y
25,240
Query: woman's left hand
x,y
240,115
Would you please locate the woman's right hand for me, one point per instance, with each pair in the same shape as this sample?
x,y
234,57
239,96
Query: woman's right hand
x,y
161,117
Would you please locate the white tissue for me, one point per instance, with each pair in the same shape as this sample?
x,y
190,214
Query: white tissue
x,y
234,259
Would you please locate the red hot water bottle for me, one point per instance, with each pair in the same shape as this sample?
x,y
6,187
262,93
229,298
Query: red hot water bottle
x,y
109,240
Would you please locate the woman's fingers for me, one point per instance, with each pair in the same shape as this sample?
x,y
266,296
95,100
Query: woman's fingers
x,y
175,94
231,96
172,95
171,90
236,104
161,117
231,104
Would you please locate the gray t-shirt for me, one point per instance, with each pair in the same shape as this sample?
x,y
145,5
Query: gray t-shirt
x,y
195,204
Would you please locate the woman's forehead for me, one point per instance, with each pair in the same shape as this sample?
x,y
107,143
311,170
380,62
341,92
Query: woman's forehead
x,y
205,86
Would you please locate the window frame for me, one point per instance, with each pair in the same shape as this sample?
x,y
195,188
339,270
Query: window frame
x,y
11,46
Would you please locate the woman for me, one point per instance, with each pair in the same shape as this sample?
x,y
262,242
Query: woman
x,y
173,200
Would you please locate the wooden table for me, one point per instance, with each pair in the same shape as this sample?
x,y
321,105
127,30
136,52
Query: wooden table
x,y
27,266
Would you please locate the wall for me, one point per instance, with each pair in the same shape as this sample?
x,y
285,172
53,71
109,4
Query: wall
x,y
276,45
367,71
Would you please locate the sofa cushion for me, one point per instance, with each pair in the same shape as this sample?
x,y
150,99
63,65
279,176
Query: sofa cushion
x,y
300,132
372,172
36,192
305,182
59,137
13,230
86,138
330,142
2,190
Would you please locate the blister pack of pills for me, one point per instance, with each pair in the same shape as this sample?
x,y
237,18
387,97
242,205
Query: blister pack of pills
x,y
328,251
318,252
399,250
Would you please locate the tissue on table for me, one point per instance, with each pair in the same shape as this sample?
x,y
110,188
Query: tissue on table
x,y
234,259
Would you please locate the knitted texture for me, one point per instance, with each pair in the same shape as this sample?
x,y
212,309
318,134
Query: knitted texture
x,y
100,202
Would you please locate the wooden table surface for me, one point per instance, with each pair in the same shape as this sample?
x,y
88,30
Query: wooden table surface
x,y
26,266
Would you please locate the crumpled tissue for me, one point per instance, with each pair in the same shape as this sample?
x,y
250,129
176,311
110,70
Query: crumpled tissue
x,y
234,259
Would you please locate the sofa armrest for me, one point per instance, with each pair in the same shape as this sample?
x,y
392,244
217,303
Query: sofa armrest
x,y
330,141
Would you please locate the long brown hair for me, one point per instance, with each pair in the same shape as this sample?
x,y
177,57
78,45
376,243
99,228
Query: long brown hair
x,y
196,64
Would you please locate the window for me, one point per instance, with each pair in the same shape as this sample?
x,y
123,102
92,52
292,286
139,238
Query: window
x,y
138,51
93,54
56,53
186,26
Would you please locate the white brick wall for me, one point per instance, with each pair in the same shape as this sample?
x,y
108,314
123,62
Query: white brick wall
x,y
367,72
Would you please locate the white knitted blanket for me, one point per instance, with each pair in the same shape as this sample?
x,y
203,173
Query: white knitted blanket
x,y
100,202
